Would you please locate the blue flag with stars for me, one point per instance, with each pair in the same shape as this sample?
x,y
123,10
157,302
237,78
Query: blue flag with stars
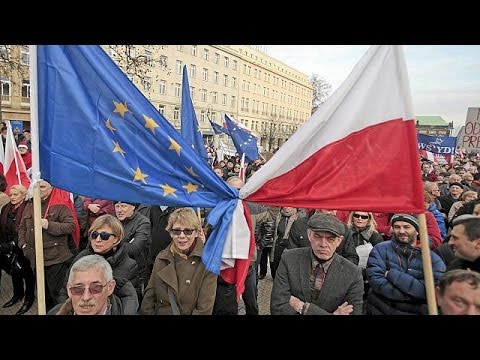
x,y
217,129
190,129
100,137
243,141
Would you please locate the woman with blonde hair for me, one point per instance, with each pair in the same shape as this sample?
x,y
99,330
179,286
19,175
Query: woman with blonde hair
x,y
12,258
180,284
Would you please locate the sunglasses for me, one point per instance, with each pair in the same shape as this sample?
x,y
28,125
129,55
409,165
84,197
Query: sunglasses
x,y
93,289
185,231
103,235
358,216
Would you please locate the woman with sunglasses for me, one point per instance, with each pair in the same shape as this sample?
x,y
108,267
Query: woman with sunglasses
x,y
180,284
105,239
363,226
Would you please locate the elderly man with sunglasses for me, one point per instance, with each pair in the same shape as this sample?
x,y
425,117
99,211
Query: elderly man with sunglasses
x,y
91,290
105,239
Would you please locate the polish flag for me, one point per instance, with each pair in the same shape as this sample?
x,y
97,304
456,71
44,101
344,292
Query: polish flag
x,y
13,167
358,150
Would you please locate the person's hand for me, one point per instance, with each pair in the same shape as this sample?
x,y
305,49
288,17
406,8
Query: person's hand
x,y
296,304
201,236
45,224
94,208
344,309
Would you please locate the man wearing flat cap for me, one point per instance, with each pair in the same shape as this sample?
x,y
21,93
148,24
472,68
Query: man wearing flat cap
x,y
316,280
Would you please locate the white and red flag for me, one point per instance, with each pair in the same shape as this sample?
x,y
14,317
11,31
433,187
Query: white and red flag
x,y
13,167
358,150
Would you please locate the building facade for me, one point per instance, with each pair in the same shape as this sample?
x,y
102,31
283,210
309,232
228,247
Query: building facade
x,y
264,94
433,126
14,83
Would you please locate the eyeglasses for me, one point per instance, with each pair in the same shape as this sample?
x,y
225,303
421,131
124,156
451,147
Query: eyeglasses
x,y
93,289
185,231
103,235
358,216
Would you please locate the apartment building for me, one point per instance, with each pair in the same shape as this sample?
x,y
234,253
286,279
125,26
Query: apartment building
x,y
264,94
14,83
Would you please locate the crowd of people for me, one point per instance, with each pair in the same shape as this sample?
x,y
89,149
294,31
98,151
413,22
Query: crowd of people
x,y
147,260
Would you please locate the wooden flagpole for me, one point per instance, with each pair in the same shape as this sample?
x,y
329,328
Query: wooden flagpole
x,y
427,265
37,207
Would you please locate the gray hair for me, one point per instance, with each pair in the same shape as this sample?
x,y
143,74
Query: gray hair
x,y
91,262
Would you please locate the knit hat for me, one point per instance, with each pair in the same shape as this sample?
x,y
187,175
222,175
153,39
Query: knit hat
x,y
124,202
411,219
457,184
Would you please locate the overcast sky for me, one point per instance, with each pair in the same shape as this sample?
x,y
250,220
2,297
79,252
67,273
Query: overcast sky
x,y
444,80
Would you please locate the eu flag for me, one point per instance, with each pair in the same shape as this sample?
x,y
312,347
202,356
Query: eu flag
x,y
100,137
243,141
217,129
190,129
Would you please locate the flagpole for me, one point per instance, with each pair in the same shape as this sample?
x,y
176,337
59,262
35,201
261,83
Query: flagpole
x,y
427,265
37,208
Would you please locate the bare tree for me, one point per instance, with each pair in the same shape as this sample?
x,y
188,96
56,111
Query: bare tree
x,y
321,91
13,68
138,61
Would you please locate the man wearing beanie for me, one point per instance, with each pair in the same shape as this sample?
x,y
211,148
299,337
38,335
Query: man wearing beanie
x,y
315,280
395,272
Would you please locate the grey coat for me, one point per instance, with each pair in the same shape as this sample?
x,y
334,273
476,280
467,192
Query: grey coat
x,y
343,282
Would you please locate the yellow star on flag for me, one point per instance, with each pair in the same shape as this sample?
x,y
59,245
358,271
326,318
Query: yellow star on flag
x,y
120,108
190,170
139,175
168,190
109,126
118,149
174,146
150,123
190,187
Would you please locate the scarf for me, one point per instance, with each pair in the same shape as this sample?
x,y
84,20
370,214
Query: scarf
x,y
292,216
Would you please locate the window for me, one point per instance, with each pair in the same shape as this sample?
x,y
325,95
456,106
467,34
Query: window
x,y
232,101
163,87
205,74
161,109
234,65
148,58
193,71
4,52
203,116
234,82
178,67
192,92
205,54
215,77
214,97
214,116
203,95
176,113
146,83
224,99
194,50
24,59
225,80
5,89
26,91
176,88
226,61
216,58
179,47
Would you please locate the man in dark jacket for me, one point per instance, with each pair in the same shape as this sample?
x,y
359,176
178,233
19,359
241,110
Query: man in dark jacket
x,y
160,237
465,242
298,237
